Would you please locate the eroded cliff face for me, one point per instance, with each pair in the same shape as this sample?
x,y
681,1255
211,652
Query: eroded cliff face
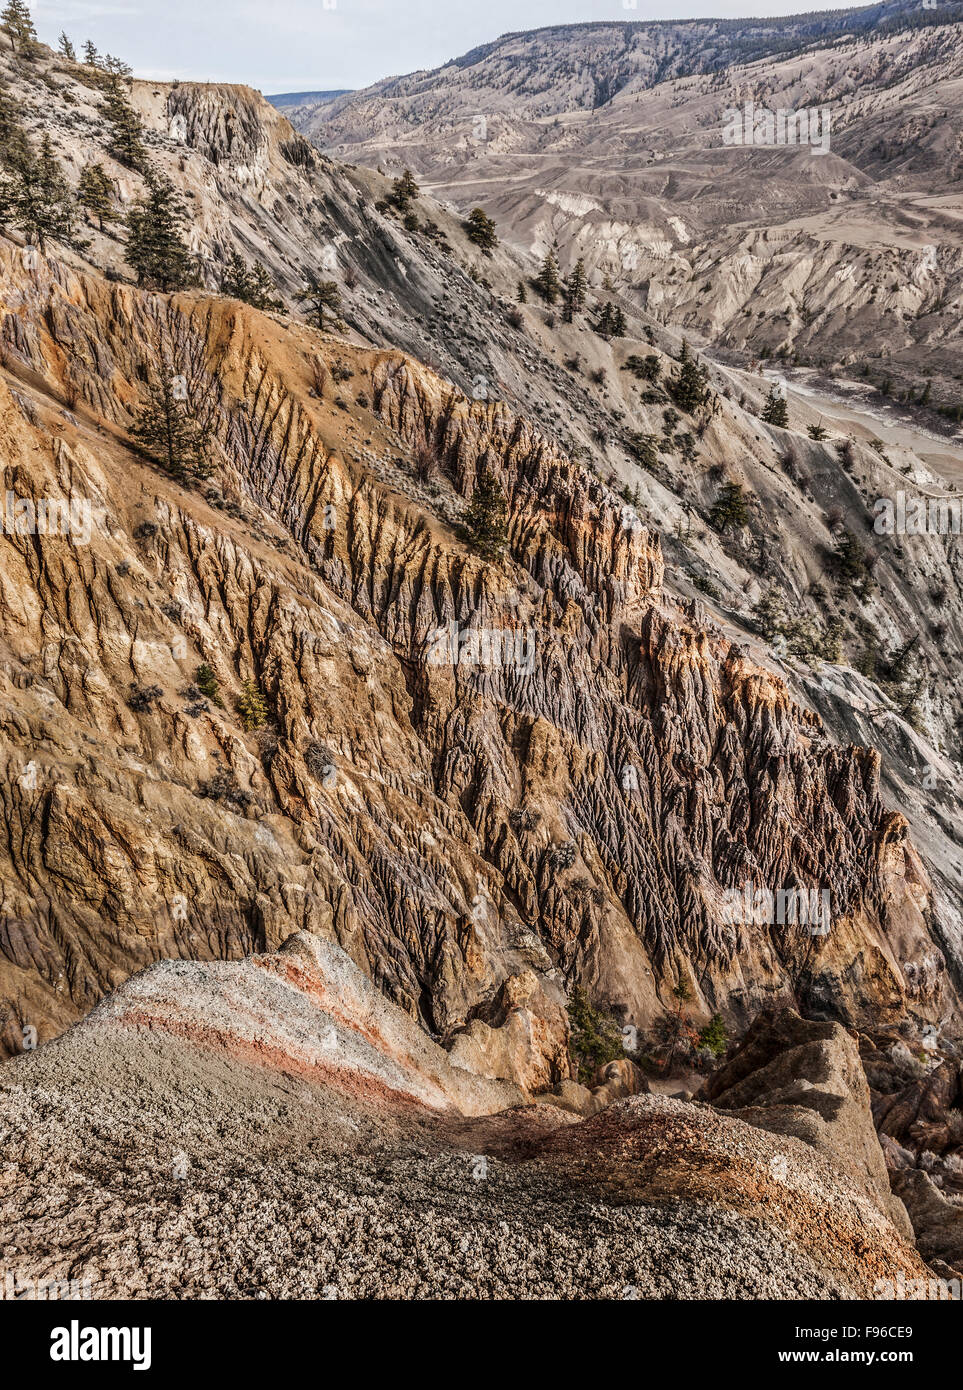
x,y
251,186
472,772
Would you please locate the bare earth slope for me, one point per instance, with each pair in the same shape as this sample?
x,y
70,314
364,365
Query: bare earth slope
x,y
575,805
291,705
275,1129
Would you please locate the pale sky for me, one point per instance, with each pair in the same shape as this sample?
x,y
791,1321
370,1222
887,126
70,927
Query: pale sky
x,y
318,45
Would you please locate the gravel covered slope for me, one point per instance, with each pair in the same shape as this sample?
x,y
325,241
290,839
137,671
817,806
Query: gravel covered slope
x,y
145,1157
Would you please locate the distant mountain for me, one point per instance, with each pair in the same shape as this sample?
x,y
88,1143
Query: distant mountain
x,y
607,141
282,100
582,67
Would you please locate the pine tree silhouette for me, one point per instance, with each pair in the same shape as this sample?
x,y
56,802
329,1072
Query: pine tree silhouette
x,y
775,411
16,21
126,129
574,291
321,296
156,250
548,282
404,191
254,286
480,229
730,508
611,321
485,523
252,706
35,195
688,387
95,193
15,147
168,429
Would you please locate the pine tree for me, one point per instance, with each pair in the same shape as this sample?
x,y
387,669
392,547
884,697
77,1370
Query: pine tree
x,y
126,129
574,291
263,289
729,509
117,67
611,321
687,445
156,249
673,1030
252,707
480,229
91,56
688,387
831,641
713,1037
404,191
235,282
95,193
521,294
207,684
900,669
595,1037
15,148
848,560
321,296
168,429
643,368
644,448
36,196
66,49
548,281
770,613
254,286
16,21
775,411
485,523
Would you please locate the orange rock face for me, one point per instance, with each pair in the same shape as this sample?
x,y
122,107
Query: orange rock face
x,y
463,770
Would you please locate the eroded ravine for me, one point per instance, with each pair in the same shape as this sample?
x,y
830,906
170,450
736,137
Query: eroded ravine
x,y
577,811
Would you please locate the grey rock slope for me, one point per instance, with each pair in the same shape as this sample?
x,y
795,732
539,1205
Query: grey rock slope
x,y
609,142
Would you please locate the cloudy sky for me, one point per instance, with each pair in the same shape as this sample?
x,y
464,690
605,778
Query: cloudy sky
x,y
318,45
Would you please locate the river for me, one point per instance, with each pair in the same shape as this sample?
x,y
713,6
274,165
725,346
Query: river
x,y
850,412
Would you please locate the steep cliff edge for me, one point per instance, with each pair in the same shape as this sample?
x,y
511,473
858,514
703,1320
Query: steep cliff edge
x,y
466,770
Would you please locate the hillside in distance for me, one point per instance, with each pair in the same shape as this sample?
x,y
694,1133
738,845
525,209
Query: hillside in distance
x,y
291,102
607,143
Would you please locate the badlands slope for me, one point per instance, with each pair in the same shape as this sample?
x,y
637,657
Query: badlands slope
x,y
275,1129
